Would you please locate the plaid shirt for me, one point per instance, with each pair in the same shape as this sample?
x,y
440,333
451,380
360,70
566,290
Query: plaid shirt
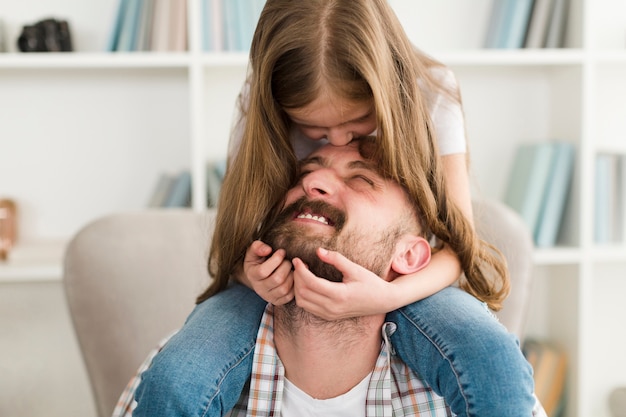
x,y
394,389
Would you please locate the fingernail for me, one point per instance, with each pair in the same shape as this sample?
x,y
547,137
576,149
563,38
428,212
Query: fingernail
x,y
323,251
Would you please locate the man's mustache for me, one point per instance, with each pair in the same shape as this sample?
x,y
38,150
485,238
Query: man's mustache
x,y
334,216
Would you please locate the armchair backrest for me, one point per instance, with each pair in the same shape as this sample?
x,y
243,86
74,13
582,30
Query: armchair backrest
x,y
130,280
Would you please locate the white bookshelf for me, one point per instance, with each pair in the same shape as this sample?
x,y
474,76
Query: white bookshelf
x,y
87,133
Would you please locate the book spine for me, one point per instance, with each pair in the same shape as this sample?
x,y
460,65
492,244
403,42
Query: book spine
x,y
180,194
145,27
538,25
114,36
128,34
602,201
555,36
516,33
557,191
528,181
495,23
160,26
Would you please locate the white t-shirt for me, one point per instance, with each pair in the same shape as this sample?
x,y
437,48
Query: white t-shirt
x,y
446,115
297,403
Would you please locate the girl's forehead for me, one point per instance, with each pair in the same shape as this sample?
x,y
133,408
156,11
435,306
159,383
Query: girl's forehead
x,y
327,111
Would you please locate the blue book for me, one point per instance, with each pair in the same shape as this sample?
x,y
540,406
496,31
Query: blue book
x,y
220,169
515,24
602,199
231,25
528,180
207,25
180,193
144,28
161,190
128,33
214,184
117,25
495,22
556,195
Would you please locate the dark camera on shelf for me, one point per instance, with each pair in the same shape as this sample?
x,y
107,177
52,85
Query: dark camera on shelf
x,y
48,35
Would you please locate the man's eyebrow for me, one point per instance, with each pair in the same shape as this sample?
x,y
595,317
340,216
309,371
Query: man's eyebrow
x,y
357,164
368,165
317,160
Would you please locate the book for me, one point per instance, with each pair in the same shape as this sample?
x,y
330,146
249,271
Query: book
x,y
213,37
508,23
248,13
160,26
3,37
220,168
557,191
214,179
128,31
549,363
603,201
178,26
513,30
230,24
495,22
538,24
208,37
161,190
144,31
528,180
621,209
180,193
555,37
114,36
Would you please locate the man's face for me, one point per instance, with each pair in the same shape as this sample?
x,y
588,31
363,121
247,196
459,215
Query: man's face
x,y
341,203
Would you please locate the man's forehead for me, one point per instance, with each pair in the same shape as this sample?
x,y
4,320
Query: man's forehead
x,y
328,155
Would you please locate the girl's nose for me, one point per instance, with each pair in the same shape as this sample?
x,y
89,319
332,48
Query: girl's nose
x,y
339,137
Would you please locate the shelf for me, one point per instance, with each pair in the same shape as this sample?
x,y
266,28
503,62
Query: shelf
x,y
478,57
557,256
516,57
98,60
609,253
93,60
34,262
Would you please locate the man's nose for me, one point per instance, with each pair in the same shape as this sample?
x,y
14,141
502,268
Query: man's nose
x,y
321,183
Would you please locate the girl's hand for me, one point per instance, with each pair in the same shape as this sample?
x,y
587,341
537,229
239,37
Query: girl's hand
x,y
361,293
271,278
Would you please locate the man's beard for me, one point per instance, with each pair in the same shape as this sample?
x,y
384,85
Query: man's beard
x,y
300,242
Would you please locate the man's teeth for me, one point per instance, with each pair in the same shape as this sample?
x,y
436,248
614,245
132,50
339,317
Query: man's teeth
x,y
320,219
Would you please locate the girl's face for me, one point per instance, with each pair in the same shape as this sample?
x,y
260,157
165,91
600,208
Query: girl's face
x,y
336,119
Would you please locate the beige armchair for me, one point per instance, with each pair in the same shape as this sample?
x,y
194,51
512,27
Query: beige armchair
x,y
132,278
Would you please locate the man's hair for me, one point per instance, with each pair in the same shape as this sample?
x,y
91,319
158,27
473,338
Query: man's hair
x,y
358,50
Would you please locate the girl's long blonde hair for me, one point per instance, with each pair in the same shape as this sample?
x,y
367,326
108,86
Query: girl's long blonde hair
x,y
358,50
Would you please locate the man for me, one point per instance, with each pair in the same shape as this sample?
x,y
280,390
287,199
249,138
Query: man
x,y
304,365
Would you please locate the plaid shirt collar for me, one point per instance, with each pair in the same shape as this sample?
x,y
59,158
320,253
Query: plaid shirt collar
x,y
394,390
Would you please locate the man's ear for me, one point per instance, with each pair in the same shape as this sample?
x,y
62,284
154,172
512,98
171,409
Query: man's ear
x,y
412,254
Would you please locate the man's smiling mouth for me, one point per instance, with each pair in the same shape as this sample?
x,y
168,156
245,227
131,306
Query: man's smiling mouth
x,y
314,217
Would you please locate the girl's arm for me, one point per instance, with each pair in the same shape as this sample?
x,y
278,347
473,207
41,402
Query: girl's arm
x,y
362,292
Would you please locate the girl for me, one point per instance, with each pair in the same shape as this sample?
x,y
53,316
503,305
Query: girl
x,y
331,70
